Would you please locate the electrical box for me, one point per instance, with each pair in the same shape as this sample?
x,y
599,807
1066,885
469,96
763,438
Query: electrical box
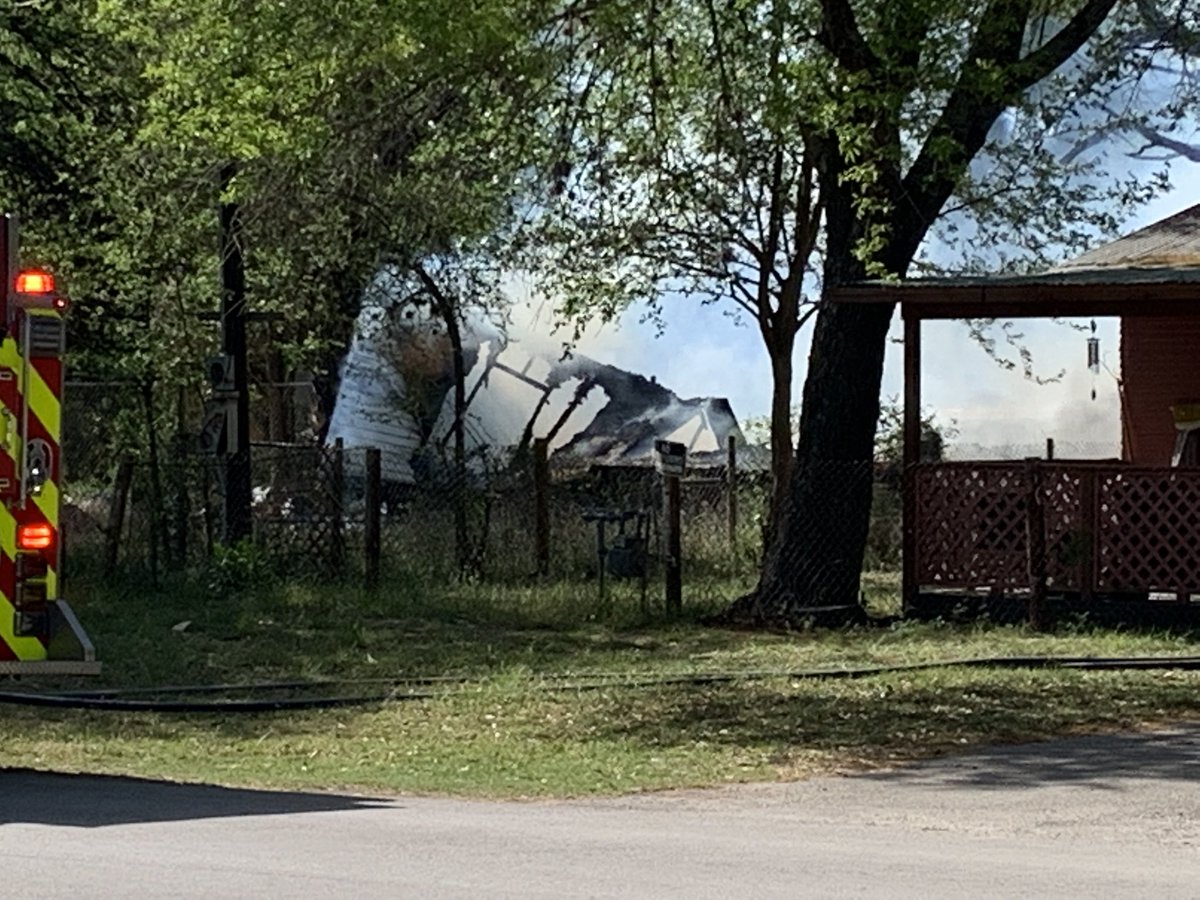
x,y
220,375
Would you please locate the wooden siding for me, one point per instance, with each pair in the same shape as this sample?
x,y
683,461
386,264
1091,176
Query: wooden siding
x,y
1160,367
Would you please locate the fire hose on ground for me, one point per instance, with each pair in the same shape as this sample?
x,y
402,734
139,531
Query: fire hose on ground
x,y
417,688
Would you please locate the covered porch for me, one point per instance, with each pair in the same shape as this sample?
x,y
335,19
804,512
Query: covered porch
x,y
1081,533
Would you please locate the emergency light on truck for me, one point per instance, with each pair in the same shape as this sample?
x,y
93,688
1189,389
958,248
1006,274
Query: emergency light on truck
x,y
37,536
35,288
35,281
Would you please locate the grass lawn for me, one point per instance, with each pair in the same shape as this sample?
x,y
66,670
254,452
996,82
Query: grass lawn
x,y
508,730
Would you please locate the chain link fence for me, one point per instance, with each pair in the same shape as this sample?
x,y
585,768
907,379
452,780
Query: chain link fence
x,y
605,530
993,535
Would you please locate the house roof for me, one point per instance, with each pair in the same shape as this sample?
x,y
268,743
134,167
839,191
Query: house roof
x,y
1170,244
396,394
703,425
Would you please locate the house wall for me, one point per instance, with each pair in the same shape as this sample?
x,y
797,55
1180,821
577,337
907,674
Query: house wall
x,y
1160,367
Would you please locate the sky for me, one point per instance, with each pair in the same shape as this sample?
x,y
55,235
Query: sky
x,y
991,412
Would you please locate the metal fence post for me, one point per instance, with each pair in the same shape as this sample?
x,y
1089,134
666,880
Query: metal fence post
x,y
674,547
337,481
372,523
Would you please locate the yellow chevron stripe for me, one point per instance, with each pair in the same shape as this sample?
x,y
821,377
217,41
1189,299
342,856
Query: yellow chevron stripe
x,y
48,504
43,403
10,356
47,406
8,532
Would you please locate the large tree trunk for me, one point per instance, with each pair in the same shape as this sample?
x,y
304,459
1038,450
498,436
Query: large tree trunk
x,y
814,556
782,449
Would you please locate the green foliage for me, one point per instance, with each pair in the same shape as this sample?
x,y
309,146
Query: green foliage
x,y
693,133
889,438
685,171
752,153
351,135
341,120
234,569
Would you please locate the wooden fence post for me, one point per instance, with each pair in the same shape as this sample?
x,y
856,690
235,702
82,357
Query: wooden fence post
x,y
116,515
337,481
674,547
1035,544
371,524
731,491
541,505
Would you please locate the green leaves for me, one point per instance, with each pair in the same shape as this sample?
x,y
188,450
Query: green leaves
x,y
364,134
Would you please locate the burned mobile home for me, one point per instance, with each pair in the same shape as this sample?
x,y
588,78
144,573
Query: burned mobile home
x,y
396,394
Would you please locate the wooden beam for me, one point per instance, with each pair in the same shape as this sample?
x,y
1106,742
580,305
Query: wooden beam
x,y
912,454
1028,299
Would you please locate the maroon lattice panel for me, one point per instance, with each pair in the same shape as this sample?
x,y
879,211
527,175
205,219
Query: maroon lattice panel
x,y
1068,536
1149,530
971,525
972,520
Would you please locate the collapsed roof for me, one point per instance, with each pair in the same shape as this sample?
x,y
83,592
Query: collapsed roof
x,y
591,413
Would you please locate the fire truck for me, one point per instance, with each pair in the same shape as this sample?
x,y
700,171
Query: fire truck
x,y
39,633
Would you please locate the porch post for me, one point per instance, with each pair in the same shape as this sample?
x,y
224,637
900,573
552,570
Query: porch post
x,y
912,452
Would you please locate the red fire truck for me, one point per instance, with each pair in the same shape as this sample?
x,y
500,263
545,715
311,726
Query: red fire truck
x,y
39,633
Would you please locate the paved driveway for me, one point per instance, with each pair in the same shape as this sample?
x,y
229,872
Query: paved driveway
x,y
1091,816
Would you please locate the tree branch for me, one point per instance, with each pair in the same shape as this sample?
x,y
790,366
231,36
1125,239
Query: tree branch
x,y
961,131
1056,51
841,37
1158,139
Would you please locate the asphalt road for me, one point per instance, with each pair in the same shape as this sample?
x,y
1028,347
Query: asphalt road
x,y
1087,817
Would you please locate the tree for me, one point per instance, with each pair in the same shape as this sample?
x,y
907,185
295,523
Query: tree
x,y
425,313
683,170
889,438
57,83
362,135
889,114
919,113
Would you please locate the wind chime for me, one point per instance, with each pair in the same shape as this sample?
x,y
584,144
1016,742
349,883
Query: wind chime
x,y
1093,357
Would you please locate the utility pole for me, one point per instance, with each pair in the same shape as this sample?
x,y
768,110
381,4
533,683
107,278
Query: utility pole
x,y
233,334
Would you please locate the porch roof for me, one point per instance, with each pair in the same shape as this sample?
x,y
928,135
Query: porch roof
x,y
1153,271
1059,292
